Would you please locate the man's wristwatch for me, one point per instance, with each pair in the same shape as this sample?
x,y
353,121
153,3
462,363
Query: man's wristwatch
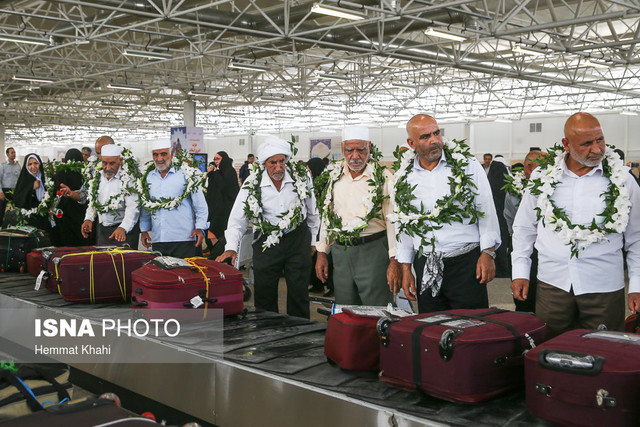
x,y
489,252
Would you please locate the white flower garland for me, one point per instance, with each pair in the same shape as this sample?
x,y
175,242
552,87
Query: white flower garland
x,y
517,183
616,213
128,175
455,206
194,177
292,218
43,206
331,220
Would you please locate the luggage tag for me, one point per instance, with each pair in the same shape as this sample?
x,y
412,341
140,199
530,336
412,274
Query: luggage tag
x,y
39,279
196,301
169,262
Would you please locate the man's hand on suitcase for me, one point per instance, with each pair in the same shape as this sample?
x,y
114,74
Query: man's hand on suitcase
x,y
119,234
228,254
634,302
520,289
146,240
87,226
408,282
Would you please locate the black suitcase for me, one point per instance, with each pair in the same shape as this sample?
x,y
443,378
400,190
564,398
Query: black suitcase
x,y
16,243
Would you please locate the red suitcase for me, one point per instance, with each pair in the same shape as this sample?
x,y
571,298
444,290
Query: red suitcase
x,y
458,355
98,276
352,341
585,378
168,283
632,324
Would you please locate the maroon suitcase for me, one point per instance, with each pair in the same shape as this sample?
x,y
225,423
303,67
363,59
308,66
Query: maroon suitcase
x,y
352,341
458,355
98,276
162,286
585,378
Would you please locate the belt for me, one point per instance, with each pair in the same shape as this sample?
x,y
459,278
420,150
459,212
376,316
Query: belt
x,y
366,239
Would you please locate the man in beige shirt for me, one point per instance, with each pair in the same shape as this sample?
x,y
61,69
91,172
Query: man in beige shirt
x,y
355,227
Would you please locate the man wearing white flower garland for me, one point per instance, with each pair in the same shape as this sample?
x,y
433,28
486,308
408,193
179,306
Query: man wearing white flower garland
x,y
459,261
275,202
177,228
81,194
118,224
581,233
362,263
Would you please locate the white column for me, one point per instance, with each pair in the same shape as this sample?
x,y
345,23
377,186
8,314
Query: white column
x,y
189,113
2,139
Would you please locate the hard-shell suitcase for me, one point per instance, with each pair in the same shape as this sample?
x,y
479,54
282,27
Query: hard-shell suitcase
x,y
16,243
632,323
174,283
351,340
98,276
458,355
41,259
585,378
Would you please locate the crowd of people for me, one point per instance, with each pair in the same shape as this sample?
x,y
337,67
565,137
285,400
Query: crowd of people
x,y
438,224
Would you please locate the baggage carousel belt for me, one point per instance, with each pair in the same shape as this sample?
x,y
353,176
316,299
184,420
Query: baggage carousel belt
x,y
293,348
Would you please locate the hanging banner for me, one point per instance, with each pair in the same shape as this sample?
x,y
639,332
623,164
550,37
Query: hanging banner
x,y
189,138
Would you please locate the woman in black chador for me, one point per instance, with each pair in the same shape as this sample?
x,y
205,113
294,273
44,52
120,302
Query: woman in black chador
x,y
67,230
30,190
222,190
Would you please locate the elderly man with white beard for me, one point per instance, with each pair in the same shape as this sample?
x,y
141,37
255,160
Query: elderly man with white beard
x,y
580,211
115,226
281,206
354,207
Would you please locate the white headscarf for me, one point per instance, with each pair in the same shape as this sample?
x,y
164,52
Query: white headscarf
x,y
38,176
273,146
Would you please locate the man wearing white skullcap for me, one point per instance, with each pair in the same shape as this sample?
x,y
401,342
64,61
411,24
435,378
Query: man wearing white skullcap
x,y
116,207
81,194
177,230
355,227
285,222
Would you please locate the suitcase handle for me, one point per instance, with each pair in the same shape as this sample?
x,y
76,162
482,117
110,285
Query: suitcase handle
x,y
572,362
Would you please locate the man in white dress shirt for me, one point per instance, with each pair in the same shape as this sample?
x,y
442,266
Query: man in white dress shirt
x,y
115,226
290,253
454,273
586,290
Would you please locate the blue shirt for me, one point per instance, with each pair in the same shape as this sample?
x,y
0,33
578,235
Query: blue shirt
x,y
175,225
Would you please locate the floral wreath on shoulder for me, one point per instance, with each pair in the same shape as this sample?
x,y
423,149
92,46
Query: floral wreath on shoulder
x,y
336,229
614,218
291,219
194,177
453,207
46,204
129,172
516,183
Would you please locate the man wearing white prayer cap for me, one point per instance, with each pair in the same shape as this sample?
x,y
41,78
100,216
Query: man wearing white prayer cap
x,y
285,221
116,208
355,228
176,229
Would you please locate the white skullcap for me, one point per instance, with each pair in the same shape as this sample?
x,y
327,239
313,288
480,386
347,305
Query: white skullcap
x,y
111,150
272,146
355,132
161,144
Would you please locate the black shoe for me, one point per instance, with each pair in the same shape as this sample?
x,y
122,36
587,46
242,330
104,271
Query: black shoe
x,y
328,294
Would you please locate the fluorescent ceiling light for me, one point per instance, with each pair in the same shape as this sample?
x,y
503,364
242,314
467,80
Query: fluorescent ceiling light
x,y
336,11
123,86
528,50
41,101
444,35
403,85
25,39
232,114
204,93
27,78
45,115
147,54
284,116
590,63
172,108
114,105
272,98
247,66
629,113
334,77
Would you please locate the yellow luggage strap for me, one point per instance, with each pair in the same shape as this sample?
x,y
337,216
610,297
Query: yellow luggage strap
x,y
201,269
111,252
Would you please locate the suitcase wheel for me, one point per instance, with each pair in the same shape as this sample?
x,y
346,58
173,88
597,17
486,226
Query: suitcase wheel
x,y
138,303
446,343
138,291
383,326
